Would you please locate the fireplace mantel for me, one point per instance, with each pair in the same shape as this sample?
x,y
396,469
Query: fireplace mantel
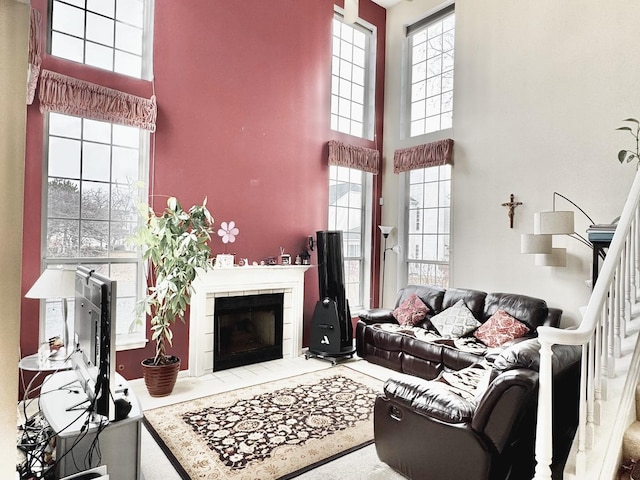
x,y
237,281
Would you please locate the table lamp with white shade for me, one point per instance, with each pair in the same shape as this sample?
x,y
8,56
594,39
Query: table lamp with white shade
x,y
56,283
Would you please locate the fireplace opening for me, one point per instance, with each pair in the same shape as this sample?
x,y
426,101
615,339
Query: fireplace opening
x,y
247,330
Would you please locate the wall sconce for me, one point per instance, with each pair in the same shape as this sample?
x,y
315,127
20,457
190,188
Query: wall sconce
x,y
547,224
56,283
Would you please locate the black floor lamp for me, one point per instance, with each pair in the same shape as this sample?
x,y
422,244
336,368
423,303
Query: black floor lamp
x,y
386,231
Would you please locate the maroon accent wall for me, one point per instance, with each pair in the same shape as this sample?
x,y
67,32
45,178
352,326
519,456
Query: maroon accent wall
x,y
243,92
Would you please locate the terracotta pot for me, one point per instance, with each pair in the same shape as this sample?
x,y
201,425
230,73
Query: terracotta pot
x,y
160,379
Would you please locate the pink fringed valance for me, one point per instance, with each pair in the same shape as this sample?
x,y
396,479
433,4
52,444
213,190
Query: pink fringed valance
x,y
35,60
63,94
422,156
351,156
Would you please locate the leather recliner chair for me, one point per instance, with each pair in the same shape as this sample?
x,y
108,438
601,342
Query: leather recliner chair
x,y
425,431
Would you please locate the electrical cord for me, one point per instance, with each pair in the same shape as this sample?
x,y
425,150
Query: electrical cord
x,y
39,450
43,442
40,447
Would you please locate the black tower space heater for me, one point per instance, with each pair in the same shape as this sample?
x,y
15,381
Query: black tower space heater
x,y
331,327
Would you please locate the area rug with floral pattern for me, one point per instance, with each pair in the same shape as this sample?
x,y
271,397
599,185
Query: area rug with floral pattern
x,y
275,430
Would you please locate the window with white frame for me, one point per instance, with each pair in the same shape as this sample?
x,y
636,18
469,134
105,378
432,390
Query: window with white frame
x,y
109,34
351,78
348,197
428,208
94,170
431,53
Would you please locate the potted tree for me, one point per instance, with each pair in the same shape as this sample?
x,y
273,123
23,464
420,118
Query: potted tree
x,y
175,243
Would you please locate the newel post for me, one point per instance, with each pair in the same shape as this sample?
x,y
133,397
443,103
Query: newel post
x,y
544,429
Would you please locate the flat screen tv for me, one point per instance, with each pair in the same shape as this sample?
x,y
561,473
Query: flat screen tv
x,y
93,357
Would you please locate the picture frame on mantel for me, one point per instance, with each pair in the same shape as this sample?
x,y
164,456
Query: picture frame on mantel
x,y
224,260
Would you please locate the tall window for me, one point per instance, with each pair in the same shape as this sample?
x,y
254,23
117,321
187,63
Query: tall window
x,y
428,232
93,173
431,48
351,73
348,195
108,34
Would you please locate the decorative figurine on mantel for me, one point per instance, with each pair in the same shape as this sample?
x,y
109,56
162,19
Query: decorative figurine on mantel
x,y
511,204
285,258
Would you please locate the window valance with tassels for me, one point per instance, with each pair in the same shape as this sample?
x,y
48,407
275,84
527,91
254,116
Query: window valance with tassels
x,y
352,156
35,59
422,156
63,94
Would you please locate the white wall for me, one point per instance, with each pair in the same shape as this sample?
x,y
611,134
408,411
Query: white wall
x,y
539,89
14,34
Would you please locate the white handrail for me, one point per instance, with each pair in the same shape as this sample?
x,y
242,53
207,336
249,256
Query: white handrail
x,y
614,277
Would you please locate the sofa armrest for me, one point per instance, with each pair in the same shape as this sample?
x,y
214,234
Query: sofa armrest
x,y
429,398
377,315
509,396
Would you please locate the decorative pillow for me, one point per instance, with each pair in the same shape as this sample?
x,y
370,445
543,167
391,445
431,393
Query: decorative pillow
x,y
500,328
411,311
456,321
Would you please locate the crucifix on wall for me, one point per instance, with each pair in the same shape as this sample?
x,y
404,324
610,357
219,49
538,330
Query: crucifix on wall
x,y
511,204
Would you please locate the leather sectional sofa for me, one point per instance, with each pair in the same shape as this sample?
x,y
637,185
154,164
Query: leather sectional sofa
x,y
410,350
426,431
459,409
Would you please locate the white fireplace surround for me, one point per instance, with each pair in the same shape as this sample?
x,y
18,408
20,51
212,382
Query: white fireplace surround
x,y
240,281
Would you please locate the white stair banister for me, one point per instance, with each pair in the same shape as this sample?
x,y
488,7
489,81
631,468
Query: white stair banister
x,y
600,334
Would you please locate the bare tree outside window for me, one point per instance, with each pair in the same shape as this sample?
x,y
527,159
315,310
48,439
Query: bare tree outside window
x,y
93,172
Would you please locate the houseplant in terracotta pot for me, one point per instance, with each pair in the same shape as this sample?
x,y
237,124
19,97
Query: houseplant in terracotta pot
x,y
175,244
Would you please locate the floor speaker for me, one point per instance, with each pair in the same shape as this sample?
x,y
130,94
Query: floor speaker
x,y
331,327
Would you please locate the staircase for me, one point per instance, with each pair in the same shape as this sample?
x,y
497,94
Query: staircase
x,y
608,335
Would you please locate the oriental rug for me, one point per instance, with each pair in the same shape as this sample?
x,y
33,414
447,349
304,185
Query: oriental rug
x,y
274,430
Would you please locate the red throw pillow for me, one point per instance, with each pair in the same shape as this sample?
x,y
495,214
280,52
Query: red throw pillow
x,y
500,328
411,311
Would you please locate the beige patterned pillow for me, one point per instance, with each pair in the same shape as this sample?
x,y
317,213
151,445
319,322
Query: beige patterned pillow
x,y
456,321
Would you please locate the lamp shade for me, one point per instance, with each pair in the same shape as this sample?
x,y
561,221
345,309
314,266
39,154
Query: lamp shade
x,y
53,283
532,243
553,223
385,229
557,258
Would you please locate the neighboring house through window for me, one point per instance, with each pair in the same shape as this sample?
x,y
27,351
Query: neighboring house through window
x,y
347,212
430,111
350,189
95,172
428,239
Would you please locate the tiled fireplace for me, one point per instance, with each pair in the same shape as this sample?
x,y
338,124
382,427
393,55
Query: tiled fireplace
x,y
244,281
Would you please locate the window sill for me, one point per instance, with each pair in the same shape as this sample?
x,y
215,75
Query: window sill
x,y
131,344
